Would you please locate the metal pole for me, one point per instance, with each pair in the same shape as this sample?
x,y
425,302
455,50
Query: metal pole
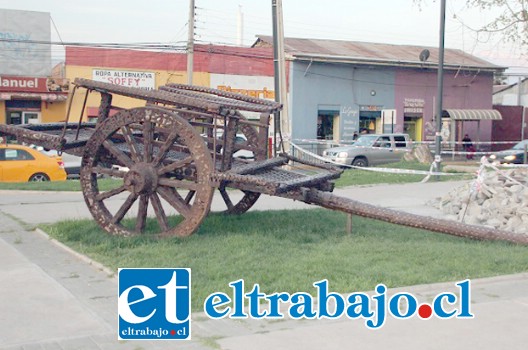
x,y
276,118
190,44
440,92
285,131
519,82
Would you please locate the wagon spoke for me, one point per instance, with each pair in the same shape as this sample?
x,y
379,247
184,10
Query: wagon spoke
x,y
165,147
147,141
124,208
226,198
131,142
189,196
116,152
188,185
175,200
236,204
175,165
168,173
105,195
108,171
142,213
160,212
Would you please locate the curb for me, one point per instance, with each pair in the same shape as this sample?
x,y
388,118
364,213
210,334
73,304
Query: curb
x,y
82,257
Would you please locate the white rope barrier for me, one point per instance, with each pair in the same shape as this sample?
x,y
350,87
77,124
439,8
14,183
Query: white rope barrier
x,y
379,170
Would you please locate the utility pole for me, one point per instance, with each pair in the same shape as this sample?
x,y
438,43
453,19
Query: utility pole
x,y
285,121
440,87
280,120
276,115
190,44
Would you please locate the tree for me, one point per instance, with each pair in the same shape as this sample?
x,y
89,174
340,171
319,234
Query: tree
x,y
511,22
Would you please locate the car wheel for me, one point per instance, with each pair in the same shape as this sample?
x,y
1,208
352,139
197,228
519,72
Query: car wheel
x,y
39,177
360,162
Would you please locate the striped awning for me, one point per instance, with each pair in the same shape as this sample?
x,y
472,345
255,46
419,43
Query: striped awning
x,y
473,114
42,96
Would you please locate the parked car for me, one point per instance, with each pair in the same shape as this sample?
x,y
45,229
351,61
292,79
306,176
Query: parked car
x,y
21,163
72,164
240,139
371,149
514,155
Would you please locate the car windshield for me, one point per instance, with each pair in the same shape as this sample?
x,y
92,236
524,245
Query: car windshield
x,y
365,141
520,145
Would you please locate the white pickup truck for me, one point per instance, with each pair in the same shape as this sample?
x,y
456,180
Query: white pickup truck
x,y
371,149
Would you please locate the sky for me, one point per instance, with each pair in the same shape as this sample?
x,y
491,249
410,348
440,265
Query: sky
x,y
383,21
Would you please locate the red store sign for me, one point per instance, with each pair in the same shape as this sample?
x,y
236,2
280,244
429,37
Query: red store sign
x,y
32,84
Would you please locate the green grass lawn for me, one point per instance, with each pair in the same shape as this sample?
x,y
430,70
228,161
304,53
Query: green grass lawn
x,y
364,177
287,251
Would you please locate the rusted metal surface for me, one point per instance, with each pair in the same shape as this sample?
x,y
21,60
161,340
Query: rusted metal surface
x,y
249,198
147,179
330,201
229,138
104,106
215,105
221,93
32,137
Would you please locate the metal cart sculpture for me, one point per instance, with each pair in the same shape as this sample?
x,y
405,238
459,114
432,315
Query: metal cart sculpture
x,y
180,147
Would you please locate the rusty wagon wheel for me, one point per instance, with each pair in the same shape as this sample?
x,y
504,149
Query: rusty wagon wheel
x,y
249,198
160,160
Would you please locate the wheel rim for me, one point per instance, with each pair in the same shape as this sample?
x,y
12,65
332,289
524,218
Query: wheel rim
x,y
162,160
249,198
360,163
39,178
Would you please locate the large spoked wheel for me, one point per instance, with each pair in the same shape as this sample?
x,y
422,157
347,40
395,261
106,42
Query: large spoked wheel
x,y
248,198
160,164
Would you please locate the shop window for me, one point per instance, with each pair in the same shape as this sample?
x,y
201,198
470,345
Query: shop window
x,y
30,117
370,122
367,125
327,121
21,117
14,118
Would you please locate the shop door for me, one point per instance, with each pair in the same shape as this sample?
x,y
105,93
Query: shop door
x,y
413,127
14,118
328,125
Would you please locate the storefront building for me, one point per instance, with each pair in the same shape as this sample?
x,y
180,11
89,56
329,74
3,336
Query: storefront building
x,y
29,91
338,89
30,100
242,70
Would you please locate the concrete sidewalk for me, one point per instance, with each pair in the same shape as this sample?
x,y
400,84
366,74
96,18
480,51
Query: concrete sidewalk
x,y
52,298
49,207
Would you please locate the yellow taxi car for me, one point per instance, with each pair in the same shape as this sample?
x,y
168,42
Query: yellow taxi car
x,y
21,164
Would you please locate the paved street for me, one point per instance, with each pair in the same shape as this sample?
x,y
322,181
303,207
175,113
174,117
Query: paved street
x,y
53,298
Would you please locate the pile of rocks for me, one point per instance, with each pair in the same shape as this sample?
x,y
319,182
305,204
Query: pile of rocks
x,y
496,199
421,153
